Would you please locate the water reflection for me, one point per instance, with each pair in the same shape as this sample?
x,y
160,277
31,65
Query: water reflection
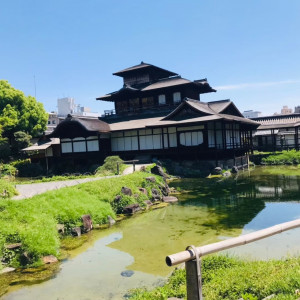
x,y
212,210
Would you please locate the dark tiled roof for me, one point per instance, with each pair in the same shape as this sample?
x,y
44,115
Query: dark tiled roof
x,y
209,113
202,107
134,124
219,106
144,66
163,83
278,121
83,126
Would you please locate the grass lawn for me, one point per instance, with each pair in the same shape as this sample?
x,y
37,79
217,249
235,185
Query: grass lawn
x,y
232,279
33,221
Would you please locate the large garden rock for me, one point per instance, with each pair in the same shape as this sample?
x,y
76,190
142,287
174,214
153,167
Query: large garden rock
x,y
76,231
148,203
25,258
126,191
170,199
143,190
155,195
49,259
226,174
111,221
7,270
143,169
158,170
13,246
151,179
87,223
164,189
234,170
217,171
127,273
60,228
117,199
131,209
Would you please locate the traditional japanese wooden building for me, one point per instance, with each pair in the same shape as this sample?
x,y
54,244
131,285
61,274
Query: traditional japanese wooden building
x,y
278,132
160,114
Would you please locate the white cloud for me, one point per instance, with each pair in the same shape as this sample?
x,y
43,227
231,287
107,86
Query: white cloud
x,y
255,85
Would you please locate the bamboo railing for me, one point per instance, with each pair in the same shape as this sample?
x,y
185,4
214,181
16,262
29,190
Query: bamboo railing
x,y
193,267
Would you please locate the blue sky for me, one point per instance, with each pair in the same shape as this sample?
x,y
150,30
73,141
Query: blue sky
x,y
248,50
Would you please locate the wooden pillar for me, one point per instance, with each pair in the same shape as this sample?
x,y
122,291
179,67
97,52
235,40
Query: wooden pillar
x,y
224,135
296,138
215,135
251,142
192,282
232,135
138,138
273,139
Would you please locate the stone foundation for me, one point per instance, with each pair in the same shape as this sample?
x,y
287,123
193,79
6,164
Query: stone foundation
x,y
202,168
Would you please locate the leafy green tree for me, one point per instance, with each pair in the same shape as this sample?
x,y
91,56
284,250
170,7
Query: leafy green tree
x,y
20,113
20,141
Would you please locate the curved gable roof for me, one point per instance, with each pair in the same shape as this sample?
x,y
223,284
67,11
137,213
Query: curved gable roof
x,y
79,127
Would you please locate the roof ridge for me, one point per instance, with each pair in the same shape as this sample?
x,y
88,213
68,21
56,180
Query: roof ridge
x,y
219,101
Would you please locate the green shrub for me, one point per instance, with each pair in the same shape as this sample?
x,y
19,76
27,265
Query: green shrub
x,y
20,141
28,169
7,169
110,166
7,190
291,157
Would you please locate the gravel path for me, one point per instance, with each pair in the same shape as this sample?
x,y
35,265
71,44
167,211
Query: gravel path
x,y
30,190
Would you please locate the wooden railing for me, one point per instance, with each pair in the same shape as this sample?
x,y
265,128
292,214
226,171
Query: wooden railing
x,y
192,255
126,161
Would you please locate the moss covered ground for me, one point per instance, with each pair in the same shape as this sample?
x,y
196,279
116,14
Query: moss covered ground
x,y
230,278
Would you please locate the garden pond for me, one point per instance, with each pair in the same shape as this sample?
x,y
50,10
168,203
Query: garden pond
x,y
132,253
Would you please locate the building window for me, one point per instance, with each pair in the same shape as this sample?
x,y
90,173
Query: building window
x,y
176,97
49,122
121,106
150,139
53,122
134,104
193,138
92,143
147,102
80,144
124,141
162,99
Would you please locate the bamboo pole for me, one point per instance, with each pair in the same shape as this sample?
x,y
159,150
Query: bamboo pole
x,y
187,255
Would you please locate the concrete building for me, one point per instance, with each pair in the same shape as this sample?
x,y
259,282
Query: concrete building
x,y
286,111
66,106
53,120
249,114
297,110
